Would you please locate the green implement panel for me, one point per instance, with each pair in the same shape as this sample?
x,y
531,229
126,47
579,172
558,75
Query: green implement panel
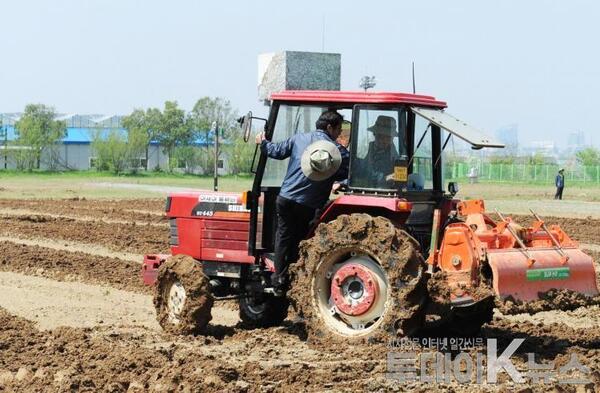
x,y
558,273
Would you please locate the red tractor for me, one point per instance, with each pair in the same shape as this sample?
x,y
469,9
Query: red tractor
x,y
389,250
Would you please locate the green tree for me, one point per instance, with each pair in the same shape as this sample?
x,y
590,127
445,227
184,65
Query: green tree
x,y
538,158
240,156
503,159
38,130
144,125
118,151
189,158
175,129
207,111
590,159
111,150
589,156
137,145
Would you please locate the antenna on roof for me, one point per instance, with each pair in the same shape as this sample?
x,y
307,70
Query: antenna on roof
x,y
323,36
367,82
413,77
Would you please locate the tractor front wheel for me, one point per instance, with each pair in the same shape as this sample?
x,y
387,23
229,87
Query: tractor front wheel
x,y
182,296
359,278
264,311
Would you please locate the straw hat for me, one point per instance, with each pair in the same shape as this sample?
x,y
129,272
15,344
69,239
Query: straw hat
x,y
385,125
320,160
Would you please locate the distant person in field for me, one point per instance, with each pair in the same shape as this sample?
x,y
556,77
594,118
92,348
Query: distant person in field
x,y
560,183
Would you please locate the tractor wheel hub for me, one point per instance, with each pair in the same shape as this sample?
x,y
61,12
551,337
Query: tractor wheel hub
x,y
176,301
354,289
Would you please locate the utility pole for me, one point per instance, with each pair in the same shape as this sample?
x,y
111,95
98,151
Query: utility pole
x,y
215,126
413,78
4,135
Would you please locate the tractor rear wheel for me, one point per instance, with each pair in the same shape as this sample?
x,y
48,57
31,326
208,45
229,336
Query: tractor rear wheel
x,y
359,279
182,296
266,311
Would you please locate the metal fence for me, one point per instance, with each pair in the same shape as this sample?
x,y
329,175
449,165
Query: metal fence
x,y
520,173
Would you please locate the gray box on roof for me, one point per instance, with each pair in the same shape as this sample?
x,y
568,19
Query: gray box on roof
x,y
290,70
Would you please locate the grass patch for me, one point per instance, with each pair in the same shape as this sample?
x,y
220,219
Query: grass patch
x,y
94,184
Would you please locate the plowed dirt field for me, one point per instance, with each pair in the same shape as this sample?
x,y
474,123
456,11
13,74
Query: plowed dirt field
x,y
75,316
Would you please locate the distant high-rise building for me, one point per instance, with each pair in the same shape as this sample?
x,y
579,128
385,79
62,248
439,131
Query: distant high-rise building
x,y
509,135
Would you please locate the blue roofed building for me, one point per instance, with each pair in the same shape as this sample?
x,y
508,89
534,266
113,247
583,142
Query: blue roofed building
x,y
74,151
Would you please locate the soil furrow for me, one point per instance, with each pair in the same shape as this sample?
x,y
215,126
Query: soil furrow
x,y
71,266
133,238
143,210
4,212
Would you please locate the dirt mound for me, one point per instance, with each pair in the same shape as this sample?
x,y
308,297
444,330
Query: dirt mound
x,y
581,229
141,210
71,266
68,359
554,299
140,239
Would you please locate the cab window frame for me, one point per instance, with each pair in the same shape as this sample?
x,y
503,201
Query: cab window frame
x,y
402,110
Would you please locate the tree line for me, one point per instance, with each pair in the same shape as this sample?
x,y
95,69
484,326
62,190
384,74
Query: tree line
x,y
176,131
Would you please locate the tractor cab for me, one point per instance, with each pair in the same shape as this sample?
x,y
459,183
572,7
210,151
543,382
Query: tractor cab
x,y
396,143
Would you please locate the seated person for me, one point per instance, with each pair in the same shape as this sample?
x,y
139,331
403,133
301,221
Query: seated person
x,y
344,138
382,153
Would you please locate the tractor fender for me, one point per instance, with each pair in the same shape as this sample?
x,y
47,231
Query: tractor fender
x,y
395,209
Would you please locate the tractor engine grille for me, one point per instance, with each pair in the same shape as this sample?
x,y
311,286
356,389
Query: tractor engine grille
x,y
173,236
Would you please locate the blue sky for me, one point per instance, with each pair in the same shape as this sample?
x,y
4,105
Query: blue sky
x,y
535,63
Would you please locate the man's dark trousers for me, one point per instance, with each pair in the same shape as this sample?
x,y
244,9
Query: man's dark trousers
x,y
293,220
558,194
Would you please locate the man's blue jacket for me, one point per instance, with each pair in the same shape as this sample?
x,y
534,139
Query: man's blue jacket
x,y
296,186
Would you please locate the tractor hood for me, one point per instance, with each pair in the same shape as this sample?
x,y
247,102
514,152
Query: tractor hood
x,y
458,128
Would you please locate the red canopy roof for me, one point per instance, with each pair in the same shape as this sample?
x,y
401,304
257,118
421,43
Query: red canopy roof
x,y
358,97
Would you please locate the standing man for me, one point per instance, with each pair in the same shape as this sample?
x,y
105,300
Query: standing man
x,y
316,161
560,183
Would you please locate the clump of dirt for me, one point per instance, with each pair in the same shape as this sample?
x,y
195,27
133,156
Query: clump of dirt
x,y
554,299
482,291
71,266
34,218
437,287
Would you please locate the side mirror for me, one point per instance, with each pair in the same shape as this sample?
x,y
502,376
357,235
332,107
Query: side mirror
x,y
246,124
453,188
